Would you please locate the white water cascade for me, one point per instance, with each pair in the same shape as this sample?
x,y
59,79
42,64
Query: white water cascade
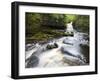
x,y
69,27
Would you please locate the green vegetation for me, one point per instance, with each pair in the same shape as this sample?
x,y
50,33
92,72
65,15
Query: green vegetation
x,y
44,26
82,23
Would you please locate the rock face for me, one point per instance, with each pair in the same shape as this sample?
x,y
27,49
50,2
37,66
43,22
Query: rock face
x,y
51,46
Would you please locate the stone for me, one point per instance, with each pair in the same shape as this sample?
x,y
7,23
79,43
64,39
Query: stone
x,y
51,46
32,61
68,34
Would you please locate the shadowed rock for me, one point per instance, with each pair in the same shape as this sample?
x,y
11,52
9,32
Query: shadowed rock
x,y
32,62
51,46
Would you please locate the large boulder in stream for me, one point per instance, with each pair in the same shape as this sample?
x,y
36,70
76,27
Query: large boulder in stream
x,y
66,51
52,45
32,61
74,54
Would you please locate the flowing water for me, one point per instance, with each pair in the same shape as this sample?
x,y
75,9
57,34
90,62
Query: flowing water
x,y
71,51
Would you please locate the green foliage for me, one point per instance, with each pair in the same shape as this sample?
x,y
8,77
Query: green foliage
x,y
33,22
55,21
45,26
71,18
82,23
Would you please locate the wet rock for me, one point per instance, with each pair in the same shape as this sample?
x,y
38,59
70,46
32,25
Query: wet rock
x,y
32,62
65,51
84,45
85,51
86,37
69,41
66,42
71,62
51,46
68,34
29,47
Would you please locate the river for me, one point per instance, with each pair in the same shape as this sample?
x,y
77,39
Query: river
x,y
71,51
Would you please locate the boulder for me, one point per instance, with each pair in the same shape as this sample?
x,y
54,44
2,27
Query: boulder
x,y
32,61
65,51
68,34
51,46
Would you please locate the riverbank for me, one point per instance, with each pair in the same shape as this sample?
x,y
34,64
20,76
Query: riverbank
x,y
44,36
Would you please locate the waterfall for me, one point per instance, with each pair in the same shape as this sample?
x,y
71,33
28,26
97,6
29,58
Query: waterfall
x,y
69,27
